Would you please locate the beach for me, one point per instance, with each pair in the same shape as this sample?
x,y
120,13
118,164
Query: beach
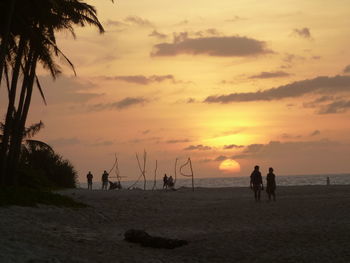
x,y
305,224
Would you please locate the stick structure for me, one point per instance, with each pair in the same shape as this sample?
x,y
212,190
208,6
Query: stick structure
x,y
175,171
189,162
155,176
143,170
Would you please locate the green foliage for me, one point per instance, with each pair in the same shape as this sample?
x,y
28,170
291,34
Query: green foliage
x,y
23,196
41,167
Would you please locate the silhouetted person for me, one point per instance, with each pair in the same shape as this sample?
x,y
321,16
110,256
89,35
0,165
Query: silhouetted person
x,y
256,183
165,182
271,184
104,180
171,182
328,181
89,177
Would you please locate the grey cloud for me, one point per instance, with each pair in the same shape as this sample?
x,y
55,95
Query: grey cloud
x,y
304,32
234,46
156,34
64,141
198,147
119,105
338,106
136,20
220,158
142,80
115,23
177,141
146,132
207,32
191,100
268,75
347,69
315,133
66,90
232,146
318,85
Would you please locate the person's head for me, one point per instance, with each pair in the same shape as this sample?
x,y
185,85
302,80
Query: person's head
x,y
270,169
256,168
105,171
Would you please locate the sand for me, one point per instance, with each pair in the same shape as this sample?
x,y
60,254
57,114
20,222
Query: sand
x,y
306,224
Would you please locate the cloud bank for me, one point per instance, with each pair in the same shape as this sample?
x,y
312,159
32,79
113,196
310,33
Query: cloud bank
x,y
233,46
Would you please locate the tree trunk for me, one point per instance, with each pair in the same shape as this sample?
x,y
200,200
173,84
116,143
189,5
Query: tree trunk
x,y
20,121
8,129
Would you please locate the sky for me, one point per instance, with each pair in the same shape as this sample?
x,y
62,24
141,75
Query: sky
x,y
230,84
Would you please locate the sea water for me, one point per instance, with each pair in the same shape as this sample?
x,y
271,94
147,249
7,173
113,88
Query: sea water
x,y
284,180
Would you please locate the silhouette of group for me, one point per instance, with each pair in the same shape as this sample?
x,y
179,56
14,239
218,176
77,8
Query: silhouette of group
x,y
168,182
256,183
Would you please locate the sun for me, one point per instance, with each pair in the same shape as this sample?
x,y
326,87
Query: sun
x,y
230,166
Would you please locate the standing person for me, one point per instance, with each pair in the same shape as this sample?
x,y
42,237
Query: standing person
x,y
171,182
89,177
328,181
104,180
271,184
165,182
256,183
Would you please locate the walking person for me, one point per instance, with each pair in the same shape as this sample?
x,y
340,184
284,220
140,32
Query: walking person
x,y
165,182
271,184
89,177
104,180
256,183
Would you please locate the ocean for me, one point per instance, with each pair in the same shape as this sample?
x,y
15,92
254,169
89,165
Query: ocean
x,y
283,180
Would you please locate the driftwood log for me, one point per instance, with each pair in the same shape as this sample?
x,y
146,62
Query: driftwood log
x,y
144,239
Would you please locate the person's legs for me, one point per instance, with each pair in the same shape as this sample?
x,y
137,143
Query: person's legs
x,y
258,194
255,195
274,196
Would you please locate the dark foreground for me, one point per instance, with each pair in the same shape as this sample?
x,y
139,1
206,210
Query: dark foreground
x,y
306,224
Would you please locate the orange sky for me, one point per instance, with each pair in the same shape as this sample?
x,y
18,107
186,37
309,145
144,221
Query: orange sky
x,y
257,82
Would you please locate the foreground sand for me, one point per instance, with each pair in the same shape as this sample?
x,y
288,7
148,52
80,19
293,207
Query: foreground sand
x,y
306,224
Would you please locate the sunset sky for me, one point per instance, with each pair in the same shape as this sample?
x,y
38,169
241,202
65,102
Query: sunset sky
x,y
243,82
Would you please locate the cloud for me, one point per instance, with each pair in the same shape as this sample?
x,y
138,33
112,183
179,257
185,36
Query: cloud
x,y
268,75
220,158
66,90
145,132
198,147
64,141
119,105
320,85
304,33
232,146
234,46
347,69
142,80
177,141
130,21
158,35
235,19
139,21
191,100
338,106
315,133
101,143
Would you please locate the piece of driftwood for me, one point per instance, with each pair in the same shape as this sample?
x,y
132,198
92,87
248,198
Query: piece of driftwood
x,y
144,239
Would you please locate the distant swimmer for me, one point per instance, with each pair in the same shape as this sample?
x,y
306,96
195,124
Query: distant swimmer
x,y
271,184
256,183
104,180
89,177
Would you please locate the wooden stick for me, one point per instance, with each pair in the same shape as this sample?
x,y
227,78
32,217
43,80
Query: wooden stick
x,y
175,171
155,176
191,173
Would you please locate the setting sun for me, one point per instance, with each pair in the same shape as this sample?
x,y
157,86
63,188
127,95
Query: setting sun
x,y
230,166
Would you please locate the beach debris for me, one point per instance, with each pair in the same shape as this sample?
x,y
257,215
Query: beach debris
x,y
146,240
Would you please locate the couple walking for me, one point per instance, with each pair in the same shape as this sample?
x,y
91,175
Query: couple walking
x,y
256,183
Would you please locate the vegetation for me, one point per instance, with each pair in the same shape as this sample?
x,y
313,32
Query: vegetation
x,y
24,196
28,38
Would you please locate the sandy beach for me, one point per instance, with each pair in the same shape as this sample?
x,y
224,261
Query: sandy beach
x,y
306,224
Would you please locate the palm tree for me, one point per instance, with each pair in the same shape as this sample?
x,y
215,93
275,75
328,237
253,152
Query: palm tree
x,y
33,41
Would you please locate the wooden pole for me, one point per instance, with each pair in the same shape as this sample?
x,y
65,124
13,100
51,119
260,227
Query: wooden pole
x,y
155,176
191,173
175,171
